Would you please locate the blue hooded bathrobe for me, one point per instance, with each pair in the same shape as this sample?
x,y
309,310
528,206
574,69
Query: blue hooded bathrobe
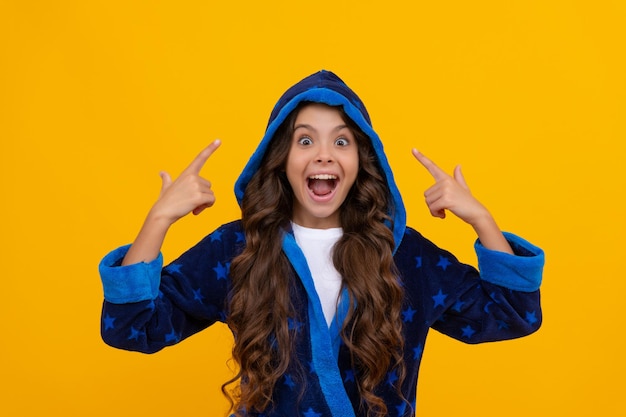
x,y
148,307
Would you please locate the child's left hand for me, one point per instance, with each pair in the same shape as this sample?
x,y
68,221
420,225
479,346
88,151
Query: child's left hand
x,y
451,193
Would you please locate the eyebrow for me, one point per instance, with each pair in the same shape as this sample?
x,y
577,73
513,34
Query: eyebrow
x,y
307,126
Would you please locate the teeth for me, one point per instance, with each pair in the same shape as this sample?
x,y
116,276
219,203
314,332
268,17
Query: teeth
x,y
323,177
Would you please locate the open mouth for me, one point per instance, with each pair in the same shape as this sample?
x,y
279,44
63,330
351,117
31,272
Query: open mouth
x,y
322,184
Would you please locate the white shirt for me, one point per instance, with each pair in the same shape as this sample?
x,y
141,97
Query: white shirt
x,y
317,246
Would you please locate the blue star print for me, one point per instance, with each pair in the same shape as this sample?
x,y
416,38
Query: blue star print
x,y
468,331
135,334
221,270
418,262
443,262
311,413
531,317
502,325
289,381
197,295
240,237
392,377
217,235
417,352
401,409
407,315
293,324
172,337
109,322
439,299
349,376
173,268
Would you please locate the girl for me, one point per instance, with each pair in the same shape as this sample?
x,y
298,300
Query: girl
x,y
328,293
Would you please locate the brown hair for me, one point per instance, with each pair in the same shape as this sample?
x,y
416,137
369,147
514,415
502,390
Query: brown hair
x,y
261,300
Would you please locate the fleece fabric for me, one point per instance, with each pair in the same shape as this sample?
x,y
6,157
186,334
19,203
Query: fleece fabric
x,y
148,307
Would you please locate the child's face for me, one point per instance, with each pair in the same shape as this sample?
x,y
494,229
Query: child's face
x,y
322,166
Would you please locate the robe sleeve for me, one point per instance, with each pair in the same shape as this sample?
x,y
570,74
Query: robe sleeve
x,y
500,302
147,307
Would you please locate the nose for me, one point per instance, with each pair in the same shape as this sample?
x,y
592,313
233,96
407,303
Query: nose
x,y
324,154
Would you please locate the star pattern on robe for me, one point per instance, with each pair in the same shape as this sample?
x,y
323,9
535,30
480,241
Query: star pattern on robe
x,y
173,269
418,351
407,315
468,332
443,263
197,295
502,325
349,376
293,324
216,236
289,381
221,270
109,322
172,337
135,334
401,409
418,262
392,377
531,317
311,413
439,299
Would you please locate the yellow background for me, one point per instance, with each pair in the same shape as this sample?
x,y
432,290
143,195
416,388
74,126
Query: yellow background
x,y
97,96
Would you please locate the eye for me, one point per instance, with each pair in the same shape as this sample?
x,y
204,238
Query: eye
x,y
342,142
305,140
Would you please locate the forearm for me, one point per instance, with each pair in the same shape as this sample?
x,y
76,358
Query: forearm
x,y
490,235
148,243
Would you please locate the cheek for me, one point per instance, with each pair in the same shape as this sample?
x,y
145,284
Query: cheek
x,y
291,177
353,165
294,170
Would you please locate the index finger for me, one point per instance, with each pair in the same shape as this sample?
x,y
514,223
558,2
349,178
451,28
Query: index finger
x,y
435,171
196,165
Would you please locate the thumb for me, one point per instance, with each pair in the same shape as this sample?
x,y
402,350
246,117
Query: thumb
x,y
458,176
166,180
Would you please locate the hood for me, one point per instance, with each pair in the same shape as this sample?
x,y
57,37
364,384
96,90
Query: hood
x,y
327,88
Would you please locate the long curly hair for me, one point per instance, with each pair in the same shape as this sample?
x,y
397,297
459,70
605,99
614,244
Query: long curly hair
x,y
261,300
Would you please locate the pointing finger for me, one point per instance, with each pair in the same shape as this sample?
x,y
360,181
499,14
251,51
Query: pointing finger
x,y
196,165
435,171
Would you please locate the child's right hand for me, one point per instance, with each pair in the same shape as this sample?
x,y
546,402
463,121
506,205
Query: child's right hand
x,y
189,193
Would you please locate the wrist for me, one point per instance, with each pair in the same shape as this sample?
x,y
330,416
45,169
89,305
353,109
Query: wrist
x,y
490,235
484,223
158,220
